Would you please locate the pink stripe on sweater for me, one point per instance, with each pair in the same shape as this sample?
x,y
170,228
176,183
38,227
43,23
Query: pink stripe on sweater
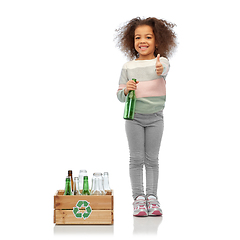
x,y
153,88
121,86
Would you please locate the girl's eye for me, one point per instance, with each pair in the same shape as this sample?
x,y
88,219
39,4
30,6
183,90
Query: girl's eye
x,y
148,37
137,38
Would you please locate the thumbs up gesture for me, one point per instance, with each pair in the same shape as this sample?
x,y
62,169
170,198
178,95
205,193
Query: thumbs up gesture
x,y
159,66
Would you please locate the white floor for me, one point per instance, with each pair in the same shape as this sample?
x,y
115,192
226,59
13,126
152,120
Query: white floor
x,y
180,221
132,227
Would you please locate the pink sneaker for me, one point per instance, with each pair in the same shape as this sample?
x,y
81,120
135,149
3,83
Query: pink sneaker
x,y
153,206
139,207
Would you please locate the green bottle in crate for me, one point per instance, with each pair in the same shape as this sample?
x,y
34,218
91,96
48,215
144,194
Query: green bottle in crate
x,y
130,104
85,190
68,187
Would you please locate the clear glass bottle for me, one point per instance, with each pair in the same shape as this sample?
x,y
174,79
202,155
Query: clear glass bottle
x,y
106,186
97,184
82,173
76,186
68,187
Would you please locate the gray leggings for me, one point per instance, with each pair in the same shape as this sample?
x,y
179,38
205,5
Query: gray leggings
x,y
144,135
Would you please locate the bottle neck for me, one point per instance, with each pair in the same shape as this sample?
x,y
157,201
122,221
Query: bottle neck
x,y
133,91
68,188
85,183
70,173
68,184
76,184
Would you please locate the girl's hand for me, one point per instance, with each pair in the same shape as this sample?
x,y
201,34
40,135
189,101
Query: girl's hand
x,y
159,66
131,85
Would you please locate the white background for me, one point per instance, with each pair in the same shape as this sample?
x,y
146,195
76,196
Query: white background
x,y
58,111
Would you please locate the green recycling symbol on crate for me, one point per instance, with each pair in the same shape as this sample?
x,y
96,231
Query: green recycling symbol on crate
x,y
82,204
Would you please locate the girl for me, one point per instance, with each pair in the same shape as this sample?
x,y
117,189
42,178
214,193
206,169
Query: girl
x,y
144,41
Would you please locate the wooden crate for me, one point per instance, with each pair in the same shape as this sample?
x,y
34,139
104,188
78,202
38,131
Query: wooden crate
x,y
83,209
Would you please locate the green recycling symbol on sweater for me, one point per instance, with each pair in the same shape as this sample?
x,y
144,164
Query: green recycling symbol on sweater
x,y
82,204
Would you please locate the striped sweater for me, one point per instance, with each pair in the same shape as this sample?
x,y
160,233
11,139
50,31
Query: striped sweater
x,y
151,89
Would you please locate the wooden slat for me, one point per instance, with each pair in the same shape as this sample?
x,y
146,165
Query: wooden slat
x,y
102,202
54,217
96,202
96,217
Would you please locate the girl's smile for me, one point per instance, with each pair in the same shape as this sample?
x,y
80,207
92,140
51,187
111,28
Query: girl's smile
x,y
143,47
144,42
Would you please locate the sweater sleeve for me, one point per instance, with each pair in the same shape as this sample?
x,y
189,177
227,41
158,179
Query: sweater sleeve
x,y
122,84
164,61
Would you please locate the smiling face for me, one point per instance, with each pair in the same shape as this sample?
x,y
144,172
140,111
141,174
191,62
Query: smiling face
x,y
144,42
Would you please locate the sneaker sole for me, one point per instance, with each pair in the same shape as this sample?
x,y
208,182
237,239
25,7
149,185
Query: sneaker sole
x,y
141,214
156,213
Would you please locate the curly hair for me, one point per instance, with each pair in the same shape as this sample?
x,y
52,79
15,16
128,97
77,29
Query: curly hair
x,y
165,37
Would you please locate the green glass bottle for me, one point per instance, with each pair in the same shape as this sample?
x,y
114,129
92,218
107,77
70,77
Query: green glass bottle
x,y
85,190
68,187
130,104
